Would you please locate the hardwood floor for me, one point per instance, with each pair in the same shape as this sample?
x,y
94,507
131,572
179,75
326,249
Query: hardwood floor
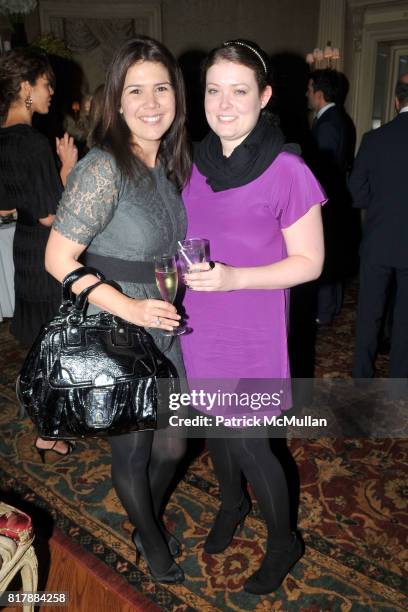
x,y
91,586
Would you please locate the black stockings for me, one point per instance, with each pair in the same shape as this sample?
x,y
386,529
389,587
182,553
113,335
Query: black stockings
x,y
143,466
253,458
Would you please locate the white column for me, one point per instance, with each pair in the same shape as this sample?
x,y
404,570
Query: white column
x,y
332,22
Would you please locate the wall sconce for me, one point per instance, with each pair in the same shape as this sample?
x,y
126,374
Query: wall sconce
x,y
323,58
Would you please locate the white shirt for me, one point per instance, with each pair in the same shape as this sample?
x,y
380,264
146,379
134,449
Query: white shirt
x,y
404,109
324,109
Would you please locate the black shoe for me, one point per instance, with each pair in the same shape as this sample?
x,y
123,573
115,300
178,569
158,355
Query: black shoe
x,y
274,568
174,574
51,449
225,525
173,543
323,322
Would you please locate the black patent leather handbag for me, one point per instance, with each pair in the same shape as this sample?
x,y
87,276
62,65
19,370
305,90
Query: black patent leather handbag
x,y
93,375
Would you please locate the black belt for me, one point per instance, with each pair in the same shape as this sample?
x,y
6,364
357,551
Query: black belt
x,y
121,269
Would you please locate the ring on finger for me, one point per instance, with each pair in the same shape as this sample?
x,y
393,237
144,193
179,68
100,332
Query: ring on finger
x,y
158,322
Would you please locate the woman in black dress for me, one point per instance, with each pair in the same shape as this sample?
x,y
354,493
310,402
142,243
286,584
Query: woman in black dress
x,y
30,183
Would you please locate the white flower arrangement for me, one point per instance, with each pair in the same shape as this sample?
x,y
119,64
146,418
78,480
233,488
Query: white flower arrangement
x,y
22,7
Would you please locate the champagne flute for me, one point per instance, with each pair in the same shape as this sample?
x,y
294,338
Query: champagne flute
x,y
166,273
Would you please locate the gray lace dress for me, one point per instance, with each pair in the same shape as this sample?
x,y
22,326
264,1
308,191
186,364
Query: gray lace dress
x,y
126,220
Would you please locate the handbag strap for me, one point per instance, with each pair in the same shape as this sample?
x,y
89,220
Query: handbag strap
x,y
72,277
81,301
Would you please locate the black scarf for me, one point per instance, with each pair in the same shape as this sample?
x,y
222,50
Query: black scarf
x,y
247,161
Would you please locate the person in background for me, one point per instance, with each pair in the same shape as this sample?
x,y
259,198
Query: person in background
x,y
378,185
78,124
31,184
259,207
123,207
334,139
95,116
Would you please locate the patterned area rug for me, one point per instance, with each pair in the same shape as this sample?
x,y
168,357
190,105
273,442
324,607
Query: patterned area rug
x,y
353,511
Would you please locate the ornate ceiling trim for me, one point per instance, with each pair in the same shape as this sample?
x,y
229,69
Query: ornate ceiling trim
x,y
54,12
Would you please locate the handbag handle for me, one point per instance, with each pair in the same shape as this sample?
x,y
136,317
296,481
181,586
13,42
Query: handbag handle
x,y
81,301
72,277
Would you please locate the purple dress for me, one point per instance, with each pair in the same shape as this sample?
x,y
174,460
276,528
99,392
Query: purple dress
x,y
243,333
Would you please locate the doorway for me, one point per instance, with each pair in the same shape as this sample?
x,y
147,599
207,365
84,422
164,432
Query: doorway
x,y
378,60
391,63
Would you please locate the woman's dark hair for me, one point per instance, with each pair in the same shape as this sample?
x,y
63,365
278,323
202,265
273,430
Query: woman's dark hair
x,y
115,136
247,53
17,66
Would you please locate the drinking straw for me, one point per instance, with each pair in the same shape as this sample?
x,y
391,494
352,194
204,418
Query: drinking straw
x,y
184,254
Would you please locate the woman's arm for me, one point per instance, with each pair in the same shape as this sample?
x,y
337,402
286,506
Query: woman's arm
x,y
305,249
47,221
61,258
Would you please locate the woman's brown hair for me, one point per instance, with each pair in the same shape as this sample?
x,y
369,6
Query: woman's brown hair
x,y
115,136
17,66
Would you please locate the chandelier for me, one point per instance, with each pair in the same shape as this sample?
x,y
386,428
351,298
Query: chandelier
x,y
323,58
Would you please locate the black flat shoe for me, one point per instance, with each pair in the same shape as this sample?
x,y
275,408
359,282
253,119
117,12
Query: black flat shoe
x,y
225,526
274,568
43,451
174,574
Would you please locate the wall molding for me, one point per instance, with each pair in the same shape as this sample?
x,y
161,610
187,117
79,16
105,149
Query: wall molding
x,y
53,13
373,25
332,23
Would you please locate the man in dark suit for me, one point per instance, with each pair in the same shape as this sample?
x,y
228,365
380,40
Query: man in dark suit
x,y
379,185
331,158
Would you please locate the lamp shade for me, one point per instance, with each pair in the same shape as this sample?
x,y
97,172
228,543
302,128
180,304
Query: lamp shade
x,y
328,52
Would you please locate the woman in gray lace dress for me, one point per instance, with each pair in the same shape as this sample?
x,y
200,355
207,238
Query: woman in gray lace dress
x,y
122,205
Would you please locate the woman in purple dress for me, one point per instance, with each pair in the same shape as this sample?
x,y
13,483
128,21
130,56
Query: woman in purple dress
x,y
259,206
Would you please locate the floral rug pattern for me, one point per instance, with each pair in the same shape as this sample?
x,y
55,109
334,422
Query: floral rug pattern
x,y
353,510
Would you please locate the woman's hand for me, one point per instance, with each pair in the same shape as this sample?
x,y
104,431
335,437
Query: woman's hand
x,y
153,313
61,257
68,154
217,278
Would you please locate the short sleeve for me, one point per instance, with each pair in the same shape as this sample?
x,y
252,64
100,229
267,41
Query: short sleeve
x,y
90,198
298,190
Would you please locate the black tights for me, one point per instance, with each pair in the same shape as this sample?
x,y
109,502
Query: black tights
x,y
253,458
143,466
